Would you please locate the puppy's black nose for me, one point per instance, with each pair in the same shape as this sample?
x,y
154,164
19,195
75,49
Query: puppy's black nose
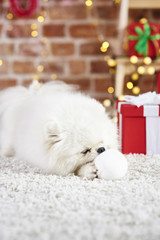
x,y
100,150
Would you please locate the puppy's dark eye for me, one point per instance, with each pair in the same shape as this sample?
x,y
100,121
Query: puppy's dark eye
x,y
86,151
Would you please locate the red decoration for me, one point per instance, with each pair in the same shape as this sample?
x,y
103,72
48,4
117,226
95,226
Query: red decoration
x,y
158,82
143,39
17,9
132,128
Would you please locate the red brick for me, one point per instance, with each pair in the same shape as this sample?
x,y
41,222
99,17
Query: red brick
x,y
90,48
53,67
111,30
107,12
4,67
77,67
83,84
99,66
19,31
136,14
52,30
155,14
93,48
6,49
27,82
62,49
23,67
7,82
83,31
31,49
68,12
147,83
101,84
0,30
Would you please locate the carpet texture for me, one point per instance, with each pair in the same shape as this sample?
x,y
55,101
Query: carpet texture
x,y
41,207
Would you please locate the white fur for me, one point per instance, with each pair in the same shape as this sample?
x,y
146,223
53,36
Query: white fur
x,y
51,127
111,164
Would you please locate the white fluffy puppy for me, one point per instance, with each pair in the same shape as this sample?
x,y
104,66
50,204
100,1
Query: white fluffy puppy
x,y
55,128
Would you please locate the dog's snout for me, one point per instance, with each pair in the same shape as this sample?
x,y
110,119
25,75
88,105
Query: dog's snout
x,y
100,150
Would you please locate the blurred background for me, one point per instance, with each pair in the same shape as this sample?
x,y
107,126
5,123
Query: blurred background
x,y
73,40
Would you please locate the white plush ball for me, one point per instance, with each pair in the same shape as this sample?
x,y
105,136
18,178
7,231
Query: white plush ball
x,y
111,164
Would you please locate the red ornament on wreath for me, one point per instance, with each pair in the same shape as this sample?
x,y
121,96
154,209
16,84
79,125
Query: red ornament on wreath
x,y
19,11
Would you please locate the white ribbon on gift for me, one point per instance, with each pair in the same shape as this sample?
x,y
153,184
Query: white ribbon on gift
x,y
143,99
151,112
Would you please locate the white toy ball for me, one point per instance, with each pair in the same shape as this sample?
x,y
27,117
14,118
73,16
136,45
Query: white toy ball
x,y
111,164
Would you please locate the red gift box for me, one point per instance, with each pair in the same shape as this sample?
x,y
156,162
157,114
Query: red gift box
x,y
139,128
143,39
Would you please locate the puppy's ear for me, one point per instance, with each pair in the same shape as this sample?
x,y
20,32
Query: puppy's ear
x,y
52,132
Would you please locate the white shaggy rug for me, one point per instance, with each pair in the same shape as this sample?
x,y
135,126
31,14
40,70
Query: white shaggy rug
x,y
46,207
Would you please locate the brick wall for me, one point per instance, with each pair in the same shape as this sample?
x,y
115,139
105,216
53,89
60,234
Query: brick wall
x,y
67,44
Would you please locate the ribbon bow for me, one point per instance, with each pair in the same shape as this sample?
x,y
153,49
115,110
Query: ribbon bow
x,y
143,37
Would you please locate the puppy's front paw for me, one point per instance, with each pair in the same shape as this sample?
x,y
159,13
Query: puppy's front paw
x,y
88,170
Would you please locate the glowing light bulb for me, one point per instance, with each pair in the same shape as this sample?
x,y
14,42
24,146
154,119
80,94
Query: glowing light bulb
x,y
107,102
40,19
147,60
143,20
9,16
106,58
34,26
105,44
133,59
141,70
134,76
36,84
1,62
115,119
129,85
136,90
121,98
151,70
117,2
40,68
112,62
54,76
103,49
111,90
35,77
88,3
34,33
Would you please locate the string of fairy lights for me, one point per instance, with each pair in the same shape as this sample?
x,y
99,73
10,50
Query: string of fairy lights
x,y
142,66
104,44
35,33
